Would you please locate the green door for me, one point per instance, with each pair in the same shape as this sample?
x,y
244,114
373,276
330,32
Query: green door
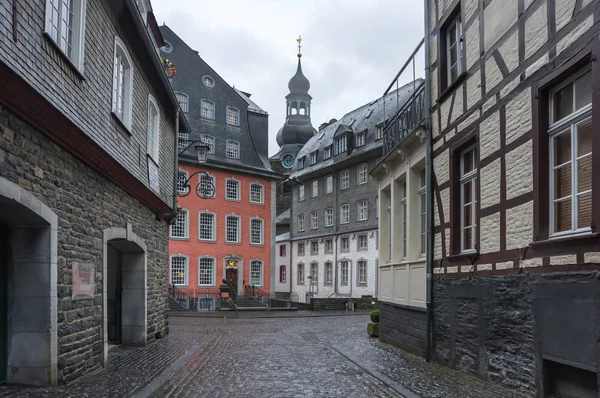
x,y
3,297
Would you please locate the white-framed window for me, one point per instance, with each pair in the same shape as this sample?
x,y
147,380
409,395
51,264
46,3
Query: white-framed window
x,y
184,101
328,273
313,157
468,177
207,224
208,81
301,249
232,150
301,163
300,222
65,25
345,244
314,220
179,228
282,251
179,271
314,248
203,180
210,141
362,243
315,188
362,272
454,50
232,189
183,139
379,132
256,193
571,136
345,272
314,271
122,96
328,184
423,211
345,179
404,220
329,217
207,109
233,116
182,177
341,144
282,274
327,153
300,274
362,174
232,229
256,231
361,139
344,214
206,271
301,193
362,210
153,127
328,246
256,273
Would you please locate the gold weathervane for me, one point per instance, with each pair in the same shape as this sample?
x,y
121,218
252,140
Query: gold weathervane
x,y
299,40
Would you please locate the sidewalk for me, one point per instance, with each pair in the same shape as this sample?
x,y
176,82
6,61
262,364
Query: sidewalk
x,y
265,314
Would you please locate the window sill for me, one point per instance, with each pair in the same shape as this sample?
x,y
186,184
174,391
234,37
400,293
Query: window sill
x,y
181,286
175,238
463,256
78,71
257,203
452,87
233,243
233,200
207,241
566,239
118,119
257,244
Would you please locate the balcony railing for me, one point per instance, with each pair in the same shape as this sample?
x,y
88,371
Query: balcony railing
x,y
410,114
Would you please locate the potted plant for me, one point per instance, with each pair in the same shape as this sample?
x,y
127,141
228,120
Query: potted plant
x,y
373,326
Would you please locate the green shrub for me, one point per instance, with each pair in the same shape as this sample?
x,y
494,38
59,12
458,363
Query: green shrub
x,y
375,316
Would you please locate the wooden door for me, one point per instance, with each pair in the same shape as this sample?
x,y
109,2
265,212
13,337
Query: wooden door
x,y
231,275
3,302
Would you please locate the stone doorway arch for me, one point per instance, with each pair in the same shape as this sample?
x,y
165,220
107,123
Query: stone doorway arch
x,y
124,288
28,291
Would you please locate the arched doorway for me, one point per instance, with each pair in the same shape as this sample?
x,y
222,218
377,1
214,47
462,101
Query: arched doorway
x,y
125,298
28,297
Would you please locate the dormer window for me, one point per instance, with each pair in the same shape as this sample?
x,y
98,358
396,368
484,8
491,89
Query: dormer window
x,y
361,139
301,163
341,144
379,132
313,158
351,122
327,153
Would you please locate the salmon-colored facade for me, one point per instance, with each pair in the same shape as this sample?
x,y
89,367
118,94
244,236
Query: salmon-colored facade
x,y
199,252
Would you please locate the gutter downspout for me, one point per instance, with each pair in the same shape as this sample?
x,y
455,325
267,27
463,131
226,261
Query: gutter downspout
x,y
429,190
176,175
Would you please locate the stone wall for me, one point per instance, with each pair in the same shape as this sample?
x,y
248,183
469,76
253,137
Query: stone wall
x,y
403,327
340,303
86,204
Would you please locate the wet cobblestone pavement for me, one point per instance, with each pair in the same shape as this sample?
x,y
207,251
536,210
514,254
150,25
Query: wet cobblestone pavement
x,y
282,357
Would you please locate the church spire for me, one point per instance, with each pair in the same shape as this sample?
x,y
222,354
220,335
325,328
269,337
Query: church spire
x,y
299,84
299,40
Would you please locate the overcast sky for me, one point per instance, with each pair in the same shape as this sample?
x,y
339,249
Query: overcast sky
x,y
352,49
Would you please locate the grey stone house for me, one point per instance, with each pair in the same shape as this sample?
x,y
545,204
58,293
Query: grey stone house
x,y
88,128
514,116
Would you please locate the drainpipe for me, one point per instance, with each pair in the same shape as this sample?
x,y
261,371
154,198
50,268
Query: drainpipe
x,y
336,214
176,160
428,180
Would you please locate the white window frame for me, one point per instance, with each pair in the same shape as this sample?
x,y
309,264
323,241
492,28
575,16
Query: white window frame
x,y
153,130
301,193
344,179
404,214
344,272
211,177
253,264
127,84
186,225
183,139
313,158
359,280
465,179
301,252
239,228
423,213
344,214
282,250
300,274
568,125
232,116
362,210
186,269
328,273
301,222
78,30
329,217
362,174
366,240
210,141
314,271
213,271
262,193
379,133
345,244
238,190
328,242
315,188
184,101
213,226
341,144
261,231
282,275
232,148
328,184
360,139
185,175
314,220
456,24
314,244
204,110
327,152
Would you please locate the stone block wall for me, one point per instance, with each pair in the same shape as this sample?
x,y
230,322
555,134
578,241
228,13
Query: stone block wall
x,y
403,327
338,304
86,204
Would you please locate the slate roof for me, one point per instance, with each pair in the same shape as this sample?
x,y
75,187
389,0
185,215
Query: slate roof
x,y
252,106
283,217
366,117
282,237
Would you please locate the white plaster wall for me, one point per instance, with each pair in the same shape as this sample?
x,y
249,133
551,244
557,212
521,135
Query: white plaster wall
x,y
279,261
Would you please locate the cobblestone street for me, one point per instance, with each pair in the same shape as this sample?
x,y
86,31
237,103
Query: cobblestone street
x,y
262,357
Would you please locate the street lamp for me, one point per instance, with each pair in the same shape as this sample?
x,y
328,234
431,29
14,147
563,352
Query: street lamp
x,y
205,188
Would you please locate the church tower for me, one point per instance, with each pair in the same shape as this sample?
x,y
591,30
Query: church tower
x,y
296,131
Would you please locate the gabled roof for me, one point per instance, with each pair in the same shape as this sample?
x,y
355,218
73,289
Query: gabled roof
x,y
251,104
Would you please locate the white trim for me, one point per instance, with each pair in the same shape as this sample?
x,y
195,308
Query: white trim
x,y
328,186
186,270
327,224
154,151
262,272
214,271
202,102
236,146
341,213
262,193
457,25
184,172
239,189
303,222
214,226
236,115
127,84
211,141
262,231
187,101
187,226
239,228
78,44
366,167
358,210
470,177
315,192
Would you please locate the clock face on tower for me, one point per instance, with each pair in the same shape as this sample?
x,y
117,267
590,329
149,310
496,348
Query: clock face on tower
x,y
288,160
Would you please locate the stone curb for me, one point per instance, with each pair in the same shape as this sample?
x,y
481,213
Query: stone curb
x,y
401,390
185,314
